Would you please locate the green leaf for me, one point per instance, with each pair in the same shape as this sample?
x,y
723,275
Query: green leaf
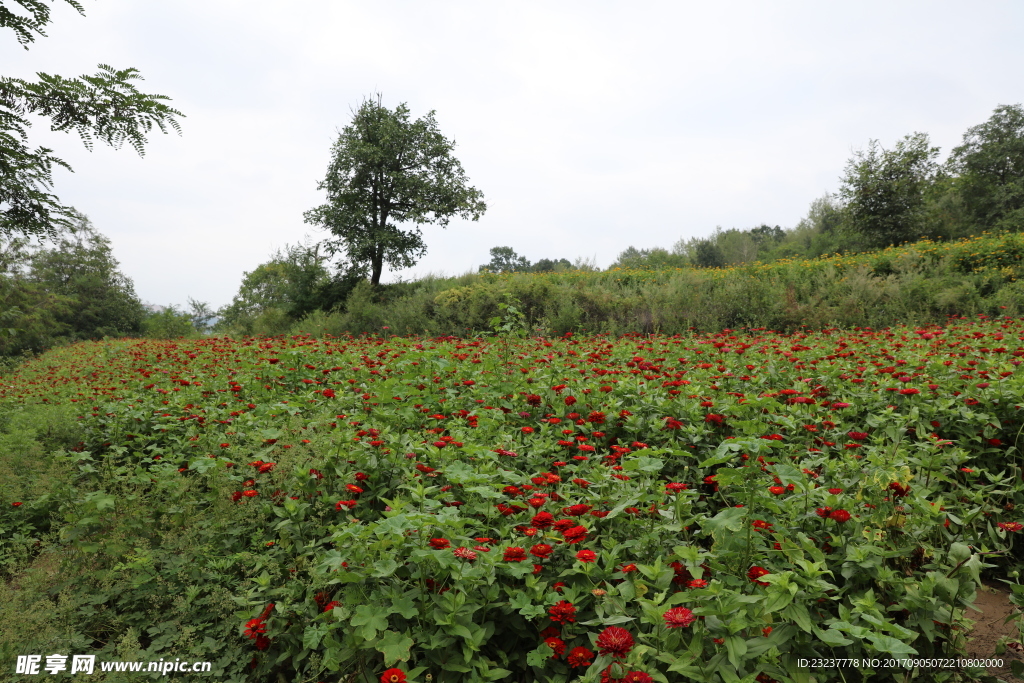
x,y
370,619
312,636
890,645
539,656
395,647
831,637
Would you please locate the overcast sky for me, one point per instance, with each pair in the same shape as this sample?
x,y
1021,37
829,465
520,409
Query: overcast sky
x,y
588,126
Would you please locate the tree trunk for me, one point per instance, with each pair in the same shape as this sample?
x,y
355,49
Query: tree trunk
x,y
377,266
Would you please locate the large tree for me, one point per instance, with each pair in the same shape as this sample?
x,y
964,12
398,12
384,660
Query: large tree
x,y
386,170
506,260
988,169
106,106
885,191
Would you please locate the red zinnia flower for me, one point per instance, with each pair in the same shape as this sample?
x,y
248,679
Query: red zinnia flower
x,y
514,554
840,516
679,617
556,644
776,490
637,677
586,556
439,543
541,550
675,487
255,627
576,534
543,520
563,612
614,641
393,676
580,656
577,510
353,488
697,583
464,554
1010,526
756,572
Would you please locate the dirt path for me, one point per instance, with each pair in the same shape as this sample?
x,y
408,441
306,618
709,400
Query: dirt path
x,y
993,605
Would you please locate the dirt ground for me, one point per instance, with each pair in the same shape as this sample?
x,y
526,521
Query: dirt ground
x,y
990,626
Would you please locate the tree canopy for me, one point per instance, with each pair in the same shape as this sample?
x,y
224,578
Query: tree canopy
x,y
990,168
506,260
71,289
386,170
885,191
105,106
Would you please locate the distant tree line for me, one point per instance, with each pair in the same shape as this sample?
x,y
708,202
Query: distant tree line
x,y
885,197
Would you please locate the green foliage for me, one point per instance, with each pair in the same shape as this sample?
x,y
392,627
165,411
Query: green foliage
x,y
386,170
106,106
506,260
885,190
989,169
70,289
294,283
28,27
170,323
300,509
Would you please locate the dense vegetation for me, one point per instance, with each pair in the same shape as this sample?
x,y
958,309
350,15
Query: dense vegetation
x,y
709,507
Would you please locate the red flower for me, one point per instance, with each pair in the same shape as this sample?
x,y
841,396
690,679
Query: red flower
x,y
331,605
464,554
533,399
556,644
254,627
637,677
840,516
756,572
393,676
563,612
675,487
541,550
898,490
439,543
17,504
515,554
580,656
353,488
576,534
328,393
679,617
776,490
586,556
823,512
543,520
697,583
1010,526
577,510
614,641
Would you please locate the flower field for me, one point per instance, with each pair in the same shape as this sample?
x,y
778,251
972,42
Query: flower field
x,y
646,508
